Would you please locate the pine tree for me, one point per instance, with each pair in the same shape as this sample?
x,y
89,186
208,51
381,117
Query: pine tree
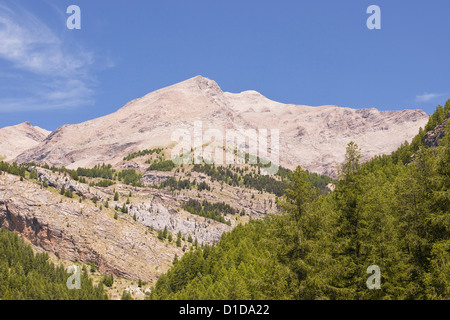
x,y
108,280
178,239
447,107
439,115
347,196
34,175
126,295
300,229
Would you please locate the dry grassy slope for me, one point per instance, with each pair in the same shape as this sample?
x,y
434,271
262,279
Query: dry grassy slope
x,y
314,137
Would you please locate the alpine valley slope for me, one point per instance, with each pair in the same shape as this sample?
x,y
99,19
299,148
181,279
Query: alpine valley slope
x,y
314,137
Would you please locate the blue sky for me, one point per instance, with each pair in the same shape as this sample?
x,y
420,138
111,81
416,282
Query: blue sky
x,y
302,52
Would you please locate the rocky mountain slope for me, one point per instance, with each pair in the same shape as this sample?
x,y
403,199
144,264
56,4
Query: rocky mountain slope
x,y
17,139
314,137
81,231
87,223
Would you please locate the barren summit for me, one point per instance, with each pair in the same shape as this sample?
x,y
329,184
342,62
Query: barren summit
x,y
19,138
313,137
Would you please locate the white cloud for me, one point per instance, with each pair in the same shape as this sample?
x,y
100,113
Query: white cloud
x,y
427,97
60,78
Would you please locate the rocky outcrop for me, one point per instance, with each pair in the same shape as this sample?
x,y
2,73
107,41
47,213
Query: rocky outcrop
x,y
58,180
433,137
159,216
154,178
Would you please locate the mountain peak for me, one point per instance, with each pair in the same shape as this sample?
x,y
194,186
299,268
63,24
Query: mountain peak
x,y
25,124
16,139
200,83
199,78
195,85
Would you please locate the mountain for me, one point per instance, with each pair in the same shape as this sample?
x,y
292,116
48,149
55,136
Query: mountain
x,y
19,138
137,223
314,137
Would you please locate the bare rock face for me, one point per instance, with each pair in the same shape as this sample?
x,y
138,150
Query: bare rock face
x,y
82,232
154,178
433,137
157,214
17,139
313,137
58,181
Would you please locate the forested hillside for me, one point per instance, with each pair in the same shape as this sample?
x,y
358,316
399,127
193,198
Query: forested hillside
x,y
28,276
392,212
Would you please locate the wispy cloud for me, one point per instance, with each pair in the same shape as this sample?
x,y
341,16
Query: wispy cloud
x,y
57,77
427,97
